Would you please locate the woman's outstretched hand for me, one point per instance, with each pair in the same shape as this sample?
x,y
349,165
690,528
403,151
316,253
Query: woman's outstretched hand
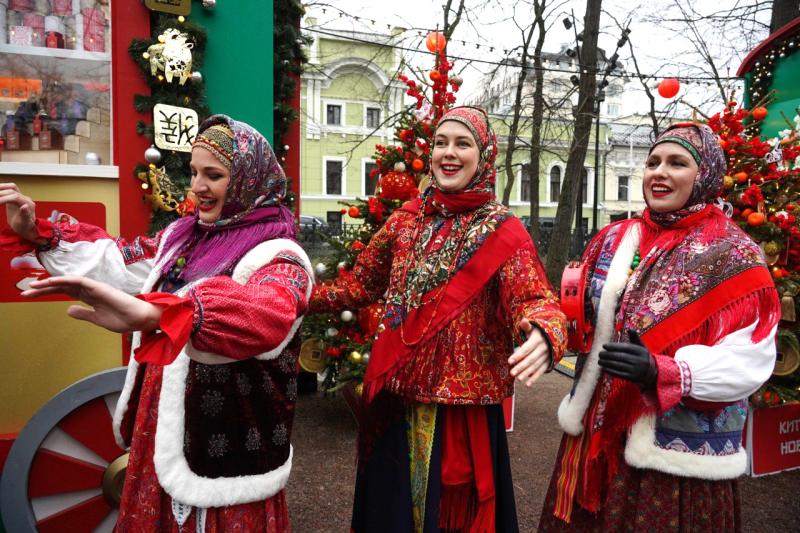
x,y
531,359
111,308
20,211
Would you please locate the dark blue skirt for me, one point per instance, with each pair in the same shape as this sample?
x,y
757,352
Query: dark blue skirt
x,y
383,483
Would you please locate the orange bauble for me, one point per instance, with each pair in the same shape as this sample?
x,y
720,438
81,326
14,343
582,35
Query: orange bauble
x,y
354,211
435,75
669,87
398,186
741,177
760,113
746,213
756,219
417,165
435,41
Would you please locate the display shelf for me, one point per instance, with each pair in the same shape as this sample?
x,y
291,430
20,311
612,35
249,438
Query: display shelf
x,y
54,52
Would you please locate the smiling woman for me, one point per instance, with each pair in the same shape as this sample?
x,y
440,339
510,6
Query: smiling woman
x,y
209,395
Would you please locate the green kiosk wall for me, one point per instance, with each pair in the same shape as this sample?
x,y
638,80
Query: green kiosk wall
x,y
237,68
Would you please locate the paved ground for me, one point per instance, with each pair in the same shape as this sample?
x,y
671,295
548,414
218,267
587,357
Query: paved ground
x,y
320,490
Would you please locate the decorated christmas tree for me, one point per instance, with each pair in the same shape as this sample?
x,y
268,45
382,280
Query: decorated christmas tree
x,y
339,345
763,186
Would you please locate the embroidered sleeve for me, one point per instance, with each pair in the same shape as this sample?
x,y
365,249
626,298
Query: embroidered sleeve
x,y
527,294
86,250
365,283
241,321
730,370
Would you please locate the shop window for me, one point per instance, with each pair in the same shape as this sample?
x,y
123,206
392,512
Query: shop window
x,y
55,81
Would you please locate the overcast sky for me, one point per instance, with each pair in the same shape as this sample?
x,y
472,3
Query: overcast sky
x,y
659,50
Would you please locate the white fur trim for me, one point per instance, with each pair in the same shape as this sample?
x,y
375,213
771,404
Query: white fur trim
x,y
262,255
172,469
573,408
136,340
641,451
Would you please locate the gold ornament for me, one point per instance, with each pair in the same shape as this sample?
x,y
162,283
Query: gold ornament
x,y
172,55
359,389
787,360
355,356
165,194
312,356
787,309
728,182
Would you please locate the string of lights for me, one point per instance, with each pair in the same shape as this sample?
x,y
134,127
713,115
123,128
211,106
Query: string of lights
x,y
342,35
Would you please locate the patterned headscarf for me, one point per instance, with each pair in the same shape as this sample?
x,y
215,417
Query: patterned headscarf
x,y
703,145
477,122
252,212
257,180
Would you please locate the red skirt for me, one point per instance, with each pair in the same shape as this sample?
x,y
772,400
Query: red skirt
x,y
647,500
145,507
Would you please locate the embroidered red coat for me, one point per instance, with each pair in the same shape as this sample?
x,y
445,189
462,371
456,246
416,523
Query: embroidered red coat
x,y
474,347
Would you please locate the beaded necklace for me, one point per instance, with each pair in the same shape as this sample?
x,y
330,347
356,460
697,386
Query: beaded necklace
x,y
418,260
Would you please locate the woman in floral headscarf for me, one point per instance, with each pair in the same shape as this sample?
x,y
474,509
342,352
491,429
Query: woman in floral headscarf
x,y
463,283
685,313
209,397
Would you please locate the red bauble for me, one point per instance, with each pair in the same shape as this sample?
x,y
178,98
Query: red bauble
x,y
417,165
354,212
669,87
398,186
435,42
435,75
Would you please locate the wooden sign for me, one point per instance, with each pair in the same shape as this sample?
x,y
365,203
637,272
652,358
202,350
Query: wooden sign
x,y
175,127
175,7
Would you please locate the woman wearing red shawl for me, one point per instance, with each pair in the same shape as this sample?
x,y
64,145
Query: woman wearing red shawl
x,y
209,397
685,314
462,281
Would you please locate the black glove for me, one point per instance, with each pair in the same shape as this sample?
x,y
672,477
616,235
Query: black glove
x,y
630,360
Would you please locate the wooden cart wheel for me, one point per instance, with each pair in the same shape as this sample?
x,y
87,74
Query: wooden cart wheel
x,y
65,471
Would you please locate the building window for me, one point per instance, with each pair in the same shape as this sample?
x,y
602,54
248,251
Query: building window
x,y
613,110
333,177
584,185
373,117
334,114
369,179
622,188
555,184
525,183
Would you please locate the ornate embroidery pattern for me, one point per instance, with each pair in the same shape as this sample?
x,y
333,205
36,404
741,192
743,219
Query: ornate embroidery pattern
x,y
253,440
217,445
212,402
280,435
243,384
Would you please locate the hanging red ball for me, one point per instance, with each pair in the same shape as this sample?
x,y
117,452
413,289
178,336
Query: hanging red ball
x,y
435,42
354,212
417,165
669,87
398,186
435,75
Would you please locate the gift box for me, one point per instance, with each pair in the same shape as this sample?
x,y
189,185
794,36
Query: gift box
x,y
36,23
61,8
21,5
20,36
94,30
